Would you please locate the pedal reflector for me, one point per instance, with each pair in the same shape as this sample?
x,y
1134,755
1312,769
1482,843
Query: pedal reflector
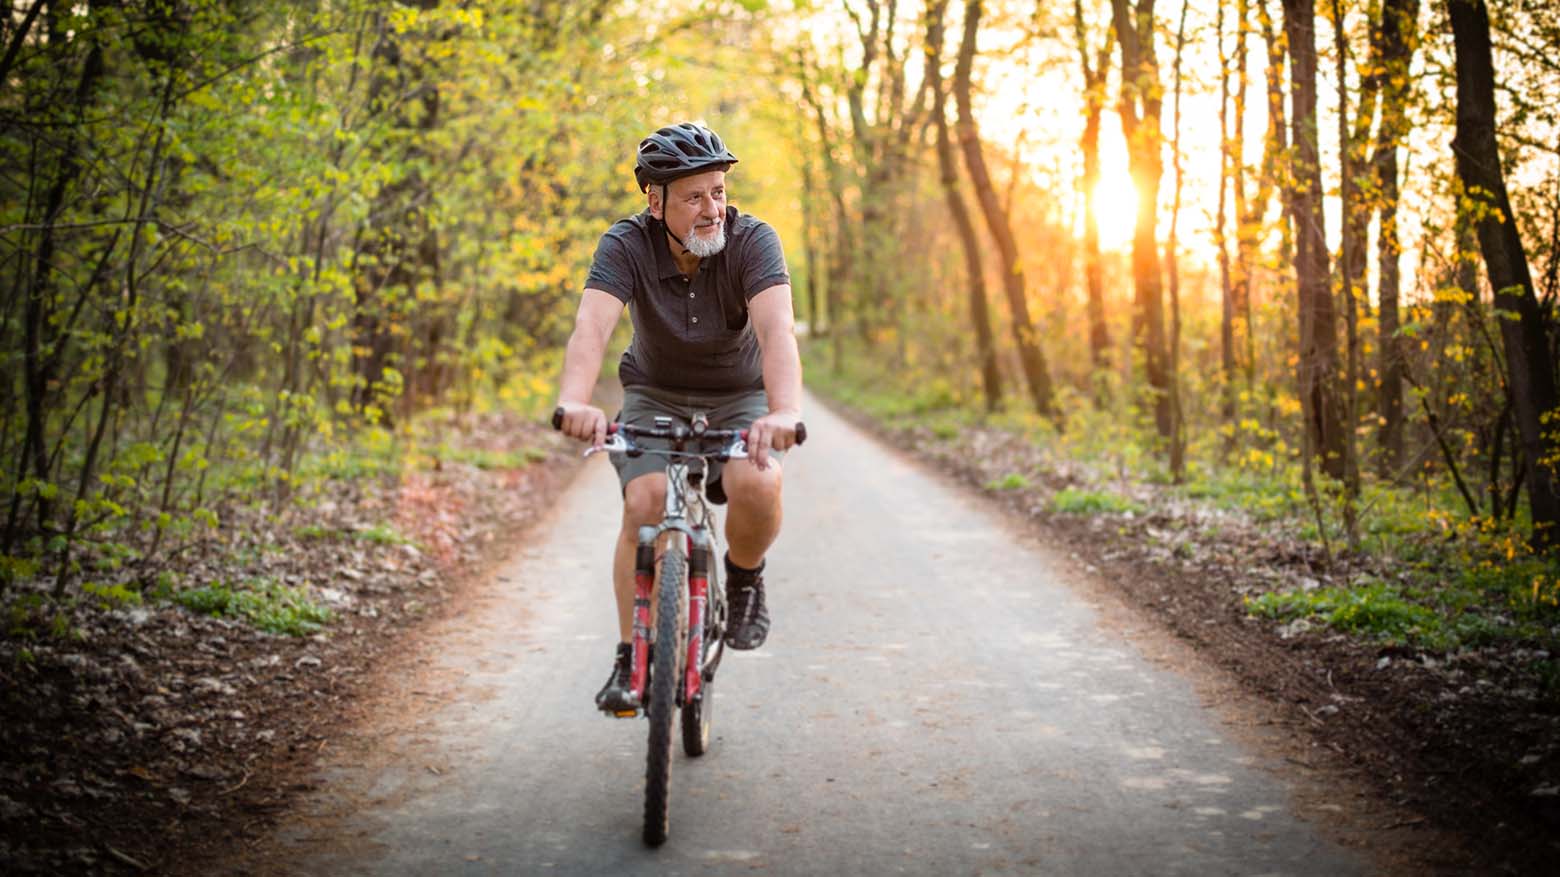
x,y
626,714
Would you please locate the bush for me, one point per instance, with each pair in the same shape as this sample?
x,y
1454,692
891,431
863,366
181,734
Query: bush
x,y
268,605
1375,609
1090,502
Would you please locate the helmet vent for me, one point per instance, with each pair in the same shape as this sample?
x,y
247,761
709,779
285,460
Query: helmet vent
x,y
678,151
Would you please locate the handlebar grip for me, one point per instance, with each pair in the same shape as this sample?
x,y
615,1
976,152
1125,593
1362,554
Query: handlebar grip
x,y
557,421
801,433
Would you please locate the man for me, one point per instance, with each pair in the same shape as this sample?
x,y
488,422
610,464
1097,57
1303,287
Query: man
x,y
710,298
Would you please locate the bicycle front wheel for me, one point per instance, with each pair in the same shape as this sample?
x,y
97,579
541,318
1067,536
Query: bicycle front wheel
x,y
665,671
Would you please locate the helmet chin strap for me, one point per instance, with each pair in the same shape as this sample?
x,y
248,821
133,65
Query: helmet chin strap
x,y
668,228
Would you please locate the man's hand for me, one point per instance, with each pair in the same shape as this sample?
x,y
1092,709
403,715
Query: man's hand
x,y
584,422
777,430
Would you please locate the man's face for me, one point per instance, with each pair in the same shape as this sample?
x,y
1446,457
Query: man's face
x,y
695,210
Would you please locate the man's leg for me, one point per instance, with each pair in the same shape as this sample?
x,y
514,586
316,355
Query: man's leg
x,y
643,504
644,501
753,511
752,523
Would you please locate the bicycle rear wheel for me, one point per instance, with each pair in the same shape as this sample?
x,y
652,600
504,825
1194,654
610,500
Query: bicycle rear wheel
x,y
697,717
665,671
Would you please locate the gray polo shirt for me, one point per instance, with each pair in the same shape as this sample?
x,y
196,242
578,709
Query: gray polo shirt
x,y
690,334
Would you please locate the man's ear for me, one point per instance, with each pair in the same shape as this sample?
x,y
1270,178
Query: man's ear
x,y
653,201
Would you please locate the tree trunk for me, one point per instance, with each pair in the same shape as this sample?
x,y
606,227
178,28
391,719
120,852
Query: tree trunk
x,y
1529,365
1229,164
1030,354
44,344
1251,210
15,38
1140,110
1094,78
1277,142
1395,37
980,318
843,239
1177,426
810,250
1356,219
1318,366
399,249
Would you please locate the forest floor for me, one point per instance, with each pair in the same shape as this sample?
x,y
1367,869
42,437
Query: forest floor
x,y
142,735
1467,743
148,735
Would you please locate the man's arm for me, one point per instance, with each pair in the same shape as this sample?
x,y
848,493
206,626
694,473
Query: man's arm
x,y
593,324
775,326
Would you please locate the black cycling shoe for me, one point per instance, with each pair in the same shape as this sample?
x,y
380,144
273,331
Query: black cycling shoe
x,y
617,696
748,624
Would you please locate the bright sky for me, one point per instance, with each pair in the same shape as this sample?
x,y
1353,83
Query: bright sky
x,y
1031,99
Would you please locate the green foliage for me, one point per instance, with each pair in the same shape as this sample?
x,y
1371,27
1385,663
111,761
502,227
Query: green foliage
x,y
112,596
1376,609
378,534
1089,502
268,605
1461,580
1484,605
13,568
1010,481
1528,584
24,616
259,268
381,534
487,459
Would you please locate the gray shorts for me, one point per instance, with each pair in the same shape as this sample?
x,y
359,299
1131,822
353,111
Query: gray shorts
x,y
641,405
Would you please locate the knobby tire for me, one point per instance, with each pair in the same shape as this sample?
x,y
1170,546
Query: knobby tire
x,y
664,676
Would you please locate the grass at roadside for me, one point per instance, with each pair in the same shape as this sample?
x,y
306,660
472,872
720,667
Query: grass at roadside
x,y
1423,574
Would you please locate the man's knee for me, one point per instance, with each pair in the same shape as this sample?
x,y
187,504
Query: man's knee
x,y
748,486
644,500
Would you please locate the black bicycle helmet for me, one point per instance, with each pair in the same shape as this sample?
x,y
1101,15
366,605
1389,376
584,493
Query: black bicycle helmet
x,y
677,151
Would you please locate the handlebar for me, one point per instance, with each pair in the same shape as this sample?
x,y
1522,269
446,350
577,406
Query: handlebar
x,y
678,432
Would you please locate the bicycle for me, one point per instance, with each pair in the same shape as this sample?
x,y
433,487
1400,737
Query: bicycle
x,y
685,588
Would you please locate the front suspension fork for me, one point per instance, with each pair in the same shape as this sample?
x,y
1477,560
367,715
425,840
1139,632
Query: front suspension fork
x,y
644,583
698,608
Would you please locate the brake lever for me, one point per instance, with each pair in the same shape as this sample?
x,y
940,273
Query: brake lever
x,y
614,444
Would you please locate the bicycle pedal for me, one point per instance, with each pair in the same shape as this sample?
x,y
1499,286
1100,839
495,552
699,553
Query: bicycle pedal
x,y
625,714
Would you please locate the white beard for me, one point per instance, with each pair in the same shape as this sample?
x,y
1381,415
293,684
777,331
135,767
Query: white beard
x,y
704,247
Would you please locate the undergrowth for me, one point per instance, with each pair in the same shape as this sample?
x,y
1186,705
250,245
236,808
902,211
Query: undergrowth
x,y
266,604
1457,580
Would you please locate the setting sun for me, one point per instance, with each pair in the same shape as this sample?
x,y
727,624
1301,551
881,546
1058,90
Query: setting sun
x,y
1115,204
